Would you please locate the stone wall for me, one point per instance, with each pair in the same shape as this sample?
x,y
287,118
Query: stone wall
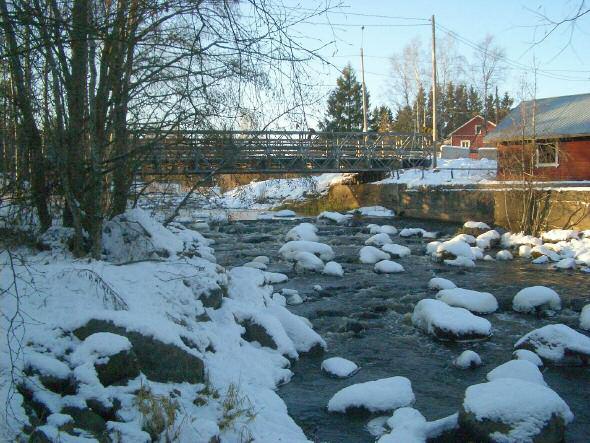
x,y
456,204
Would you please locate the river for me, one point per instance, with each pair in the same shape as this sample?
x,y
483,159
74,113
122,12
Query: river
x,y
363,316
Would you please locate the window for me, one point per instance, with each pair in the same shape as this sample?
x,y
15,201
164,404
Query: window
x,y
547,154
465,143
477,129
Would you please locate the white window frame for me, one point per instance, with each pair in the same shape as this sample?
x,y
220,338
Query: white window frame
x,y
476,131
554,164
466,143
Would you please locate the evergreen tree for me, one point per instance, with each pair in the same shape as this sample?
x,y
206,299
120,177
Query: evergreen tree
x,y
505,106
474,105
345,104
381,119
404,120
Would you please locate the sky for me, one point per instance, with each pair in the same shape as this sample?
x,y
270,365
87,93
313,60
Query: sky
x,y
517,26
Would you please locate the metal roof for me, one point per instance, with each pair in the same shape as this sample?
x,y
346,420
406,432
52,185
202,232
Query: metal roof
x,y
555,117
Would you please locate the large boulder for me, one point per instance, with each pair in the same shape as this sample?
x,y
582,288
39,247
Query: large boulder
x,y
178,365
557,344
512,410
448,323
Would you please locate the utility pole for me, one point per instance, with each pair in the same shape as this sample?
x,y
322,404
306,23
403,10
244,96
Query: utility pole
x,y
365,126
434,135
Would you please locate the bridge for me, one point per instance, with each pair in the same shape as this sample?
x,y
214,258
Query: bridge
x,y
234,152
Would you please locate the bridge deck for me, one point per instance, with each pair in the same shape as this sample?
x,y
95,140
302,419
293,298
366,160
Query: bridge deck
x,y
206,152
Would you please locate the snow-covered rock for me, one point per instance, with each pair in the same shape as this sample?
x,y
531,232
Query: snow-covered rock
x,y
255,265
462,262
476,225
470,239
477,252
566,263
396,251
449,323
339,367
474,301
454,248
520,369
382,229
504,255
524,251
417,232
467,360
373,211
557,235
381,395
524,354
284,213
303,231
306,261
335,217
536,299
488,257
540,260
378,240
388,267
261,259
333,268
558,344
541,250
488,239
439,283
492,412
371,255
409,426
585,318
290,249
432,246
511,240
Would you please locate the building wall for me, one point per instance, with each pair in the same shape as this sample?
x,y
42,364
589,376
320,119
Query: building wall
x,y
467,132
573,163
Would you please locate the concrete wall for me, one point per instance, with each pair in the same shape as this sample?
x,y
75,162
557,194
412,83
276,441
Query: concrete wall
x,y
456,204
452,152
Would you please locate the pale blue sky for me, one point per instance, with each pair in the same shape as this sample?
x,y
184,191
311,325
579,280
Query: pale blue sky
x,y
565,65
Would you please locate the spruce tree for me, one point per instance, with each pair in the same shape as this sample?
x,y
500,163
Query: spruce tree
x,y
345,104
381,119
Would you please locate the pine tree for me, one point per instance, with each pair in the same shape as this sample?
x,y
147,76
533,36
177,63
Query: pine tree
x,y
345,104
474,105
404,120
505,106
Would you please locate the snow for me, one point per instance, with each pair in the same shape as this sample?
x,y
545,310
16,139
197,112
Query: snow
x,y
525,354
465,237
432,246
339,367
464,171
388,267
552,342
439,283
585,318
335,217
284,213
519,369
159,299
101,344
540,260
396,251
290,249
378,240
430,314
468,359
306,261
566,263
463,262
476,225
455,247
381,395
528,300
47,365
407,425
255,265
303,231
261,259
333,268
557,235
484,241
477,252
504,255
411,232
474,301
383,229
373,211
371,255
488,257
524,251
513,240
545,250
525,413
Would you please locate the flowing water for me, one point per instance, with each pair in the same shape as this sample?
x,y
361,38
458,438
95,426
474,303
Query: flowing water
x,y
363,317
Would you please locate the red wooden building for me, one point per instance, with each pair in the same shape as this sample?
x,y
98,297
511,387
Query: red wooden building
x,y
471,134
549,136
